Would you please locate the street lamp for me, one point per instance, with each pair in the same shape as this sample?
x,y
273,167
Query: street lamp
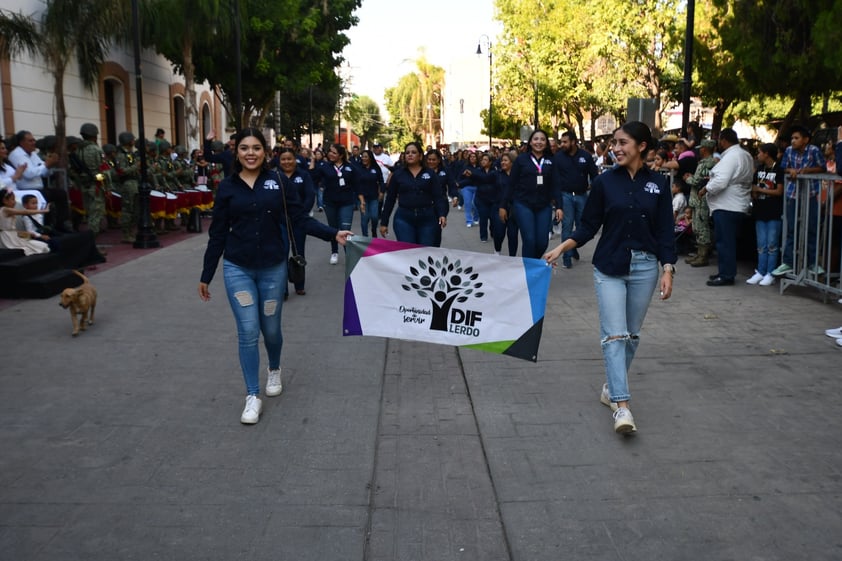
x,y
490,82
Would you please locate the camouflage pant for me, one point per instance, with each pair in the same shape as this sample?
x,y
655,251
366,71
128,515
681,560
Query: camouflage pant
x,y
94,201
701,218
129,210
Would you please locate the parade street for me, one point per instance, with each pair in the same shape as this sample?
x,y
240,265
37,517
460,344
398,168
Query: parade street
x,y
125,442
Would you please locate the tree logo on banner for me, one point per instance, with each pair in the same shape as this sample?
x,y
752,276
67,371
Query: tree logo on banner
x,y
444,283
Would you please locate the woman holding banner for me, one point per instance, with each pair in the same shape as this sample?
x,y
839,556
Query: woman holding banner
x,y
632,204
422,204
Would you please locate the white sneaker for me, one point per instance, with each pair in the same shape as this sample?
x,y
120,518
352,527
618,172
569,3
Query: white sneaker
x,y
334,258
498,253
623,421
251,413
605,398
273,383
835,333
768,280
755,278
839,342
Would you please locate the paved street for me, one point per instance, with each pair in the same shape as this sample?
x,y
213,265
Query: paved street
x,y
125,442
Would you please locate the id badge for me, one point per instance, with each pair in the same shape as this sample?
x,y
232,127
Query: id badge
x,y
540,179
342,182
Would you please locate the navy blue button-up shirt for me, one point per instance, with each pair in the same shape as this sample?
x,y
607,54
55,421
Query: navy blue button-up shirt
x,y
634,214
249,226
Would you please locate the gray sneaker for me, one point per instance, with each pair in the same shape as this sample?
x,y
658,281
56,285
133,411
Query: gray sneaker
x,y
623,421
781,270
273,383
605,399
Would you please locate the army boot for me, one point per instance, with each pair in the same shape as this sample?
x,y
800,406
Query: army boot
x,y
702,258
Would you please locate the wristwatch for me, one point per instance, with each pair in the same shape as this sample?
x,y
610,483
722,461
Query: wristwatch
x,y
669,268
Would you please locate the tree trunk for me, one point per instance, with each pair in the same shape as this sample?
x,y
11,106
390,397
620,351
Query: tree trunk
x,y
719,110
60,120
191,112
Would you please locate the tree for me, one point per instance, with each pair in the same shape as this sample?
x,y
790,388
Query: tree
x,y
164,28
82,29
784,48
287,48
415,101
364,116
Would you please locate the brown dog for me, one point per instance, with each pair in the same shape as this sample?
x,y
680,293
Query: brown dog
x,y
80,301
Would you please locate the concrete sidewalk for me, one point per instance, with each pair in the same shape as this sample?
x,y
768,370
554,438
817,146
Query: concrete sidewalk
x,y
125,442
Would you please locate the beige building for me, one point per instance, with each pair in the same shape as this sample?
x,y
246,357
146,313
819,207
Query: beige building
x,y
27,96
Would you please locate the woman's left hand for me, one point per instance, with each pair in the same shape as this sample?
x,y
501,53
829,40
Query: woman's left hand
x,y
559,214
442,222
343,235
666,285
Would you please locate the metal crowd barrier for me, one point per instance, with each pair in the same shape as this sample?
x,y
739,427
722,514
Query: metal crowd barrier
x,y
827,276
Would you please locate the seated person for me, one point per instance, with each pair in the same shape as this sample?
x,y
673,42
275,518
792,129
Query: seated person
x,y
679,201
77,249
10,236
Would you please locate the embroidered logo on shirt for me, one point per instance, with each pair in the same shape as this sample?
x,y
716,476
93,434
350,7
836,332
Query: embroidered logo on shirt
x,y
425,175
271,185
298,180
652,188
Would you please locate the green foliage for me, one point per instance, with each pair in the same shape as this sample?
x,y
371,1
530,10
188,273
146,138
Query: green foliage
x,y
364,115
414,104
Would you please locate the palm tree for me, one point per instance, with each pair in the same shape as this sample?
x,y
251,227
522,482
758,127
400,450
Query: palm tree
x,y
65,28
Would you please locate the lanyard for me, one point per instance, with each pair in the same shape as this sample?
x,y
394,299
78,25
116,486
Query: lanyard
x,y
537,164
338,170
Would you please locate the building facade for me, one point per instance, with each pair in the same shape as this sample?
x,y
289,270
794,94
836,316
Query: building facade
x,y
27,96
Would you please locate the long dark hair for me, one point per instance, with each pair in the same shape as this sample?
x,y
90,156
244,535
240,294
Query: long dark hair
x,y
640,132
245,133
371,160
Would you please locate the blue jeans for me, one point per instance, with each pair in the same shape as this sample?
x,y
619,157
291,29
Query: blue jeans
x,y
468,194
416,226
572,205
371,216
623,303
256,298
726,225
320,197
338,217
791,219
534,228
768,244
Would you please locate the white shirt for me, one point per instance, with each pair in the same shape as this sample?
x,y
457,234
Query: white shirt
x,y
729,187
35,168
384,160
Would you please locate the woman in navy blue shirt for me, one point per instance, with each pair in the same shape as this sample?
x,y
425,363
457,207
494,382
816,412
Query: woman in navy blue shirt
x,y
422,206
341,191
435,162
633,206
249,228
531,195
371,188
295,178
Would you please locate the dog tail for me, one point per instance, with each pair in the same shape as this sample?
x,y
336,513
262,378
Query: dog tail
x,y
84,278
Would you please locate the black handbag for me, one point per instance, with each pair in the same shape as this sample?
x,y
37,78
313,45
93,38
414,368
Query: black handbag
x,y
296,263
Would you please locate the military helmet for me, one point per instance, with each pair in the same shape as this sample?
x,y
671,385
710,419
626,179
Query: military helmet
x,y
151,146
164,145
179,149
109,148
73,140
217,146
125,138
88,129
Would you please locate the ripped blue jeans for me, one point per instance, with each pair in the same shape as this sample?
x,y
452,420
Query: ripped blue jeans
x,y
623,302
256,297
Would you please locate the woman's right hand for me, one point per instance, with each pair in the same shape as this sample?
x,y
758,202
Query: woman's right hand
x,y
204,293
384,231
504,216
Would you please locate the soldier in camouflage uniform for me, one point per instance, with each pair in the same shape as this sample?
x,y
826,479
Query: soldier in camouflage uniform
x,y
168,177
156,180
128,183
92,180
109,169
701,211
